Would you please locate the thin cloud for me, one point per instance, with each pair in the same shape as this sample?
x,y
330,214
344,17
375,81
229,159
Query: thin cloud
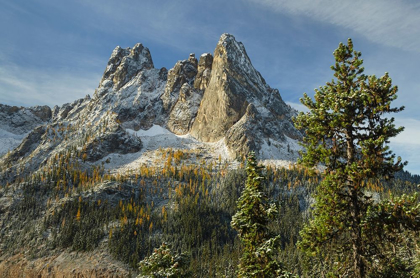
x,y
298,106
407,143
393,23
411,133
22,86
164,22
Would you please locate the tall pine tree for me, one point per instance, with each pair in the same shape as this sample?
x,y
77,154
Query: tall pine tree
x,y
251,220
347,132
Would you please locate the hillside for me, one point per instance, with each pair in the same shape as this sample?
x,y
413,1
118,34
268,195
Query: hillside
x,y
89,188
221,105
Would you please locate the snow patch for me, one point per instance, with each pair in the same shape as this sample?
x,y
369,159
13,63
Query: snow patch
x,y
7,134
153,131
272,150
9,141
157,138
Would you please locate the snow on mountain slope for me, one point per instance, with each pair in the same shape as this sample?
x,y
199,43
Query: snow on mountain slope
x,y
156,140
217,106
9,141
17,122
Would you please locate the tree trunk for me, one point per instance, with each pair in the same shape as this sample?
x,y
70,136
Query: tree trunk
x,y
356,237
356,230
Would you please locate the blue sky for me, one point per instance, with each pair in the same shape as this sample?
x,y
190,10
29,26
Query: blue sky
x,y
53,52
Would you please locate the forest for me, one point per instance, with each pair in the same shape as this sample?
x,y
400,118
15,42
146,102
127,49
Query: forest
x,y
346,209
189,208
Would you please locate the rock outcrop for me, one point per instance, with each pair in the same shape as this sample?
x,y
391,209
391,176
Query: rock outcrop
x,y
29,144
183,72
124,64
17,122
220,99
183,93
117,141
234,85
21,120
220,96
202,78
69,111
131,89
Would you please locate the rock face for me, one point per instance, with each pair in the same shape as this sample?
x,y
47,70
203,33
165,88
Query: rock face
x,y
185,110
234,85
69,111
124,64
182,97
21,120
28,144
113,142
220,96
17,122
131,88
204,71
183,72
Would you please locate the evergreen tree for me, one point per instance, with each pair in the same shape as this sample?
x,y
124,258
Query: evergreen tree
x,y
163,263
250,221
347,133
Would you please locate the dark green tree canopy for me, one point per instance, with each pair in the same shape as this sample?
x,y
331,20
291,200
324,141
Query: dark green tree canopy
x,y
250,221
347,128
163,263
347,132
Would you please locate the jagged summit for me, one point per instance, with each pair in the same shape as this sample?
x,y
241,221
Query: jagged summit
x,y
124,64
209,109
234,85
218,98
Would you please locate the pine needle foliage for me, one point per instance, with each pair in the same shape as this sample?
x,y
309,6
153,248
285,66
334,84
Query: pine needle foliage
x,y
162,263
347,132
250,221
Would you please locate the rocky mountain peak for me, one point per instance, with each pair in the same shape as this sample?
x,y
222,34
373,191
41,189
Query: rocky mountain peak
x,y
193,60
183,72
124,64
233,85
219,97
202,78
216,106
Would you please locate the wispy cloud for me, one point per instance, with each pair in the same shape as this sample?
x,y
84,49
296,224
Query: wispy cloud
x,y
172,23
298,106
393,23
28,87
411,133
407,143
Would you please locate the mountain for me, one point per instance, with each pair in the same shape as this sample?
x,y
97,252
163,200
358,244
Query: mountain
x,y
90,188
218,99
17,122
72,174
239,106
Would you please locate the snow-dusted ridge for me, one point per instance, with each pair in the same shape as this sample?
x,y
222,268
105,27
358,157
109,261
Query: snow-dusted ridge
x,y
158,138
217,107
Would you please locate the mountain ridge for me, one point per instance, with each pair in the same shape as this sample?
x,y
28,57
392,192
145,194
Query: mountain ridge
x,y
217,98
91,187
